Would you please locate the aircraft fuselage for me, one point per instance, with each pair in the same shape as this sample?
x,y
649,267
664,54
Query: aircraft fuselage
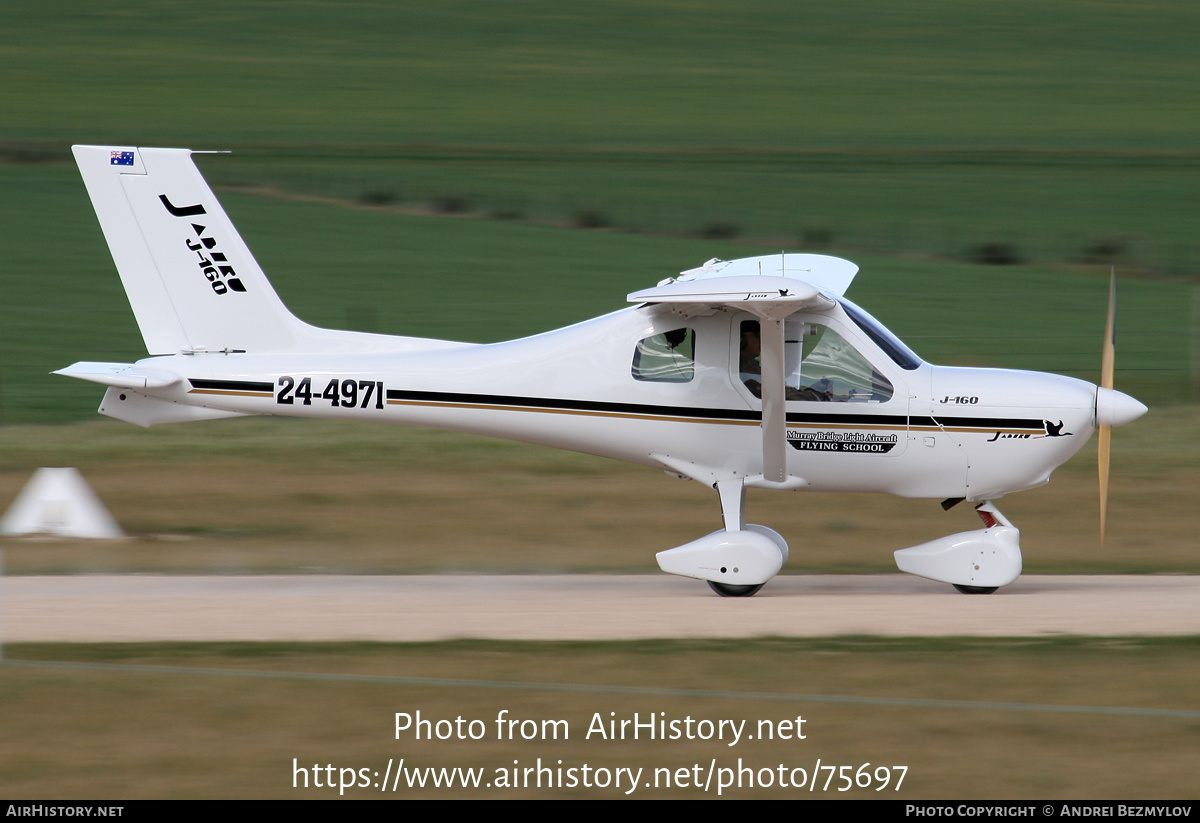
x,y
943,432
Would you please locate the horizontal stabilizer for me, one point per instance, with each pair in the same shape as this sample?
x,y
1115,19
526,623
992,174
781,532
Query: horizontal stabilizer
x,y
121,375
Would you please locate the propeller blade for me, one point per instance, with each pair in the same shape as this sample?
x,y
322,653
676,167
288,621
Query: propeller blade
x,y
1110,334
1107,360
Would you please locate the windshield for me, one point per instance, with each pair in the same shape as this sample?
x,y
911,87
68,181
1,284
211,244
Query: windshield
x,y
901,355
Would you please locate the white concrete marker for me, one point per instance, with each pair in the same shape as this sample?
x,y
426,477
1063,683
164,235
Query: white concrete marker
x,y
59,502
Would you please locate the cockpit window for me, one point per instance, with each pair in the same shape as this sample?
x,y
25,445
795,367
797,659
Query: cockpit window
x,y
666,358
819,365
901,355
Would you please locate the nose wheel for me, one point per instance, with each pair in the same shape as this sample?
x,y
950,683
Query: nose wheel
x,y
990,516
726,590
976,589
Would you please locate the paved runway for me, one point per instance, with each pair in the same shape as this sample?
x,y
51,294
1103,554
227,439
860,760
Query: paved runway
x,y
93,608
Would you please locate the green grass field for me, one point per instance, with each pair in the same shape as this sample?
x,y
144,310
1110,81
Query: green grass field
x,y
932,74
936,129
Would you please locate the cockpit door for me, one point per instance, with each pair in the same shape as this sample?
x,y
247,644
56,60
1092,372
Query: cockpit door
x,y
842,398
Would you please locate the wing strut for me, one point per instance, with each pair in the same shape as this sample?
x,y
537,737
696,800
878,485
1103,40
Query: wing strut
x,y
774,406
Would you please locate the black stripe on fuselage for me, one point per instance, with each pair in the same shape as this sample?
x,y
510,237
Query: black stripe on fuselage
x,y
897,421
556,404
231,385
979,423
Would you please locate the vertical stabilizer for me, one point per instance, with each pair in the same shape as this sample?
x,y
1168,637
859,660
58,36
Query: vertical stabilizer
x,y
192,282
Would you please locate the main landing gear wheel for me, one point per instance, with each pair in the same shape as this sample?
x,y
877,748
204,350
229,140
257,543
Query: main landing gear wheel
x,y
727,590
975,589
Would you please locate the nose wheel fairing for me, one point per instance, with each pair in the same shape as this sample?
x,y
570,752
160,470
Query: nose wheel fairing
x,y
973,562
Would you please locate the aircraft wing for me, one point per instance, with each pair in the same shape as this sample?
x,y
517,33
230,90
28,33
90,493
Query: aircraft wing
x,y
763,295
832,275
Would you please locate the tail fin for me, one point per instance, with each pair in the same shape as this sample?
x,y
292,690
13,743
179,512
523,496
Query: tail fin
x,y
192,282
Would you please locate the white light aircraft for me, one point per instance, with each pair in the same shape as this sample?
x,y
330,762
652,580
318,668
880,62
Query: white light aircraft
x,y
753,373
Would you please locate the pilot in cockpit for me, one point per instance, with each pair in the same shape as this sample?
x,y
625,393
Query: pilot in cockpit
x,y
750,368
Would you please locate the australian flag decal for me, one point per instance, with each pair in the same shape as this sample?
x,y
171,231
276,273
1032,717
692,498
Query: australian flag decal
x,y
121,158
